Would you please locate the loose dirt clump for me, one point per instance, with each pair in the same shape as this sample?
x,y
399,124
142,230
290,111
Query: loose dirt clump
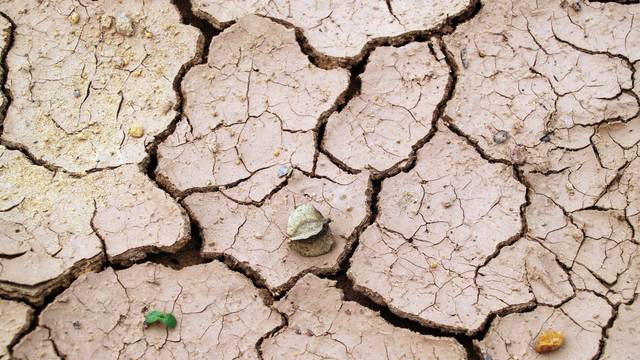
x,y
103,314
79,83
326,326
59,226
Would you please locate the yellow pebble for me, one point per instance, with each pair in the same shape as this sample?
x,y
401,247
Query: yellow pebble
x,y
74,18
276,153
106,22
136,131
83,136
434,265
549,341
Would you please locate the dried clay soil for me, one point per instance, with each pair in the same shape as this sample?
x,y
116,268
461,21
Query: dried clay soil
x,y
478,160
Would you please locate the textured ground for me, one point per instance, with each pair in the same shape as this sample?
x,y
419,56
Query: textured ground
x,y
479,162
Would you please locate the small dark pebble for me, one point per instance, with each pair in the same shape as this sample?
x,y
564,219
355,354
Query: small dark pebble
x,y
546,137
463,58
500,137
76,325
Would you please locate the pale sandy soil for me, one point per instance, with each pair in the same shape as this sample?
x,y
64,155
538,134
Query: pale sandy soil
x,y
479,162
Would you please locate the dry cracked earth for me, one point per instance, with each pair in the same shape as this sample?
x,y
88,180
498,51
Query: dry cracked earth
x,y
479,162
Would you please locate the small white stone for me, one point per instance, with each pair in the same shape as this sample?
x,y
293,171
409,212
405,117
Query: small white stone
x,y
124,25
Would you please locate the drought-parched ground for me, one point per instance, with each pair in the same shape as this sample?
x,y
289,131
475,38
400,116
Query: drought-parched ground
x,y
479,162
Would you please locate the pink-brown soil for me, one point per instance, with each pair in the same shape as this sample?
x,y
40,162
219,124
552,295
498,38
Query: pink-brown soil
x,y
477,161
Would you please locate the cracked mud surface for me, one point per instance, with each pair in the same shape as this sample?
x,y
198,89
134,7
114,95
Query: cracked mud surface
x,y
63,226
401,88
479,163
82,77
262,100
101,314
326,326
580,320
255,235
623,335
437,225
339,30
518,74
15,318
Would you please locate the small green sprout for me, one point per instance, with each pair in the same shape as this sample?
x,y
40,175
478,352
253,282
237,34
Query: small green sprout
x,y
165,318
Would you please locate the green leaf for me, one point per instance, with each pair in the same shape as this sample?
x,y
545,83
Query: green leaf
x,y
167,319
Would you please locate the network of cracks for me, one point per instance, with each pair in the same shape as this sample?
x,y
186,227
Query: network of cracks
x,y
479,162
